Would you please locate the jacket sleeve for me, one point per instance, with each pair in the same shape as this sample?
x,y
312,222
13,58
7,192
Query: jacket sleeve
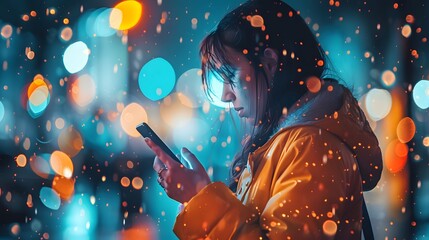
x,y
306,194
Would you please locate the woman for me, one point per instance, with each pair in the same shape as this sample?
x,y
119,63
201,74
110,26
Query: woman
x,y
311,152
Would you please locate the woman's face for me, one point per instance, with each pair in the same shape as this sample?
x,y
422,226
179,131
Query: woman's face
x,y
245,99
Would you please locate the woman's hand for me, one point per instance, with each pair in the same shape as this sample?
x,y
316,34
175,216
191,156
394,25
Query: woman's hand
x,y
179,182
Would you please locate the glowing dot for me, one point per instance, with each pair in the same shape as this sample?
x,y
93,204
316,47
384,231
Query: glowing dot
x,y
66,21
50,198
15,229
25,18
82,90
125,181
257,21
406,31
26,144
388,78
125,15
213,139
52,11
406,129
21,160
130,164
137,183
421,94
409,18
395,156
6,31
313,84
30,55
426,141
8,196
33,13
132,115
66,34
76,57
156,74
59,123
329,228
1,111
199,148
63,186
395,5
29,201
378,103
320,63
61,164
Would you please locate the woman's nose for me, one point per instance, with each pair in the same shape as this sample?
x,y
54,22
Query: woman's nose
x,y
227,93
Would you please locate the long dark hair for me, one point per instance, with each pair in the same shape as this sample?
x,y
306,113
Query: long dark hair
x,y
250,29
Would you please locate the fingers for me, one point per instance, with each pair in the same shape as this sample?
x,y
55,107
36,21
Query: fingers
x,y
165,159
192,160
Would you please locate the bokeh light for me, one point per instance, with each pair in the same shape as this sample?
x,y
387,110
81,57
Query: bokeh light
x,y
125,182
395,156
50,198
76,57
6,31
66,34
102,26
156,79
132,115
426,141
406,129
39,96
173,112
137,183
21,160
1,111
61,164
40,165
125,15
190,86
63,186
421,94
80,218
329,228
82,90
388,78
70,141
313,84
378,103
406,31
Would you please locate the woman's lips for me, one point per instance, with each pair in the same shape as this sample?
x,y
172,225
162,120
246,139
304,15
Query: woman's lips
x,y
240,111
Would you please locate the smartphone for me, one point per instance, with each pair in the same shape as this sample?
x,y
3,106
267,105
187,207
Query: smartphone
x,y
144,129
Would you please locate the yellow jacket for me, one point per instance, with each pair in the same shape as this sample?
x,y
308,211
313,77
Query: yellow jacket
x,y
305,182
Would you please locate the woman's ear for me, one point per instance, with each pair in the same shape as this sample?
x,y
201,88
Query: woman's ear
x,y
270,61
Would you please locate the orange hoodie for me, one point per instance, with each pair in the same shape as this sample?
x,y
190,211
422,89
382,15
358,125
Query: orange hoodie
x,y
305,182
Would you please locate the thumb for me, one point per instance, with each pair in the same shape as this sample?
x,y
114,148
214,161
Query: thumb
x,y
192,161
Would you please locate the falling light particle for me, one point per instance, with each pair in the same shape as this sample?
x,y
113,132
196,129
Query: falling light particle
x,y
130,164
66,21
410,18
194,22
92,200
21,160
426,141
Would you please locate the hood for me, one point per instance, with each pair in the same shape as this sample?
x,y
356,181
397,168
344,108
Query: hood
x,y
335,109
